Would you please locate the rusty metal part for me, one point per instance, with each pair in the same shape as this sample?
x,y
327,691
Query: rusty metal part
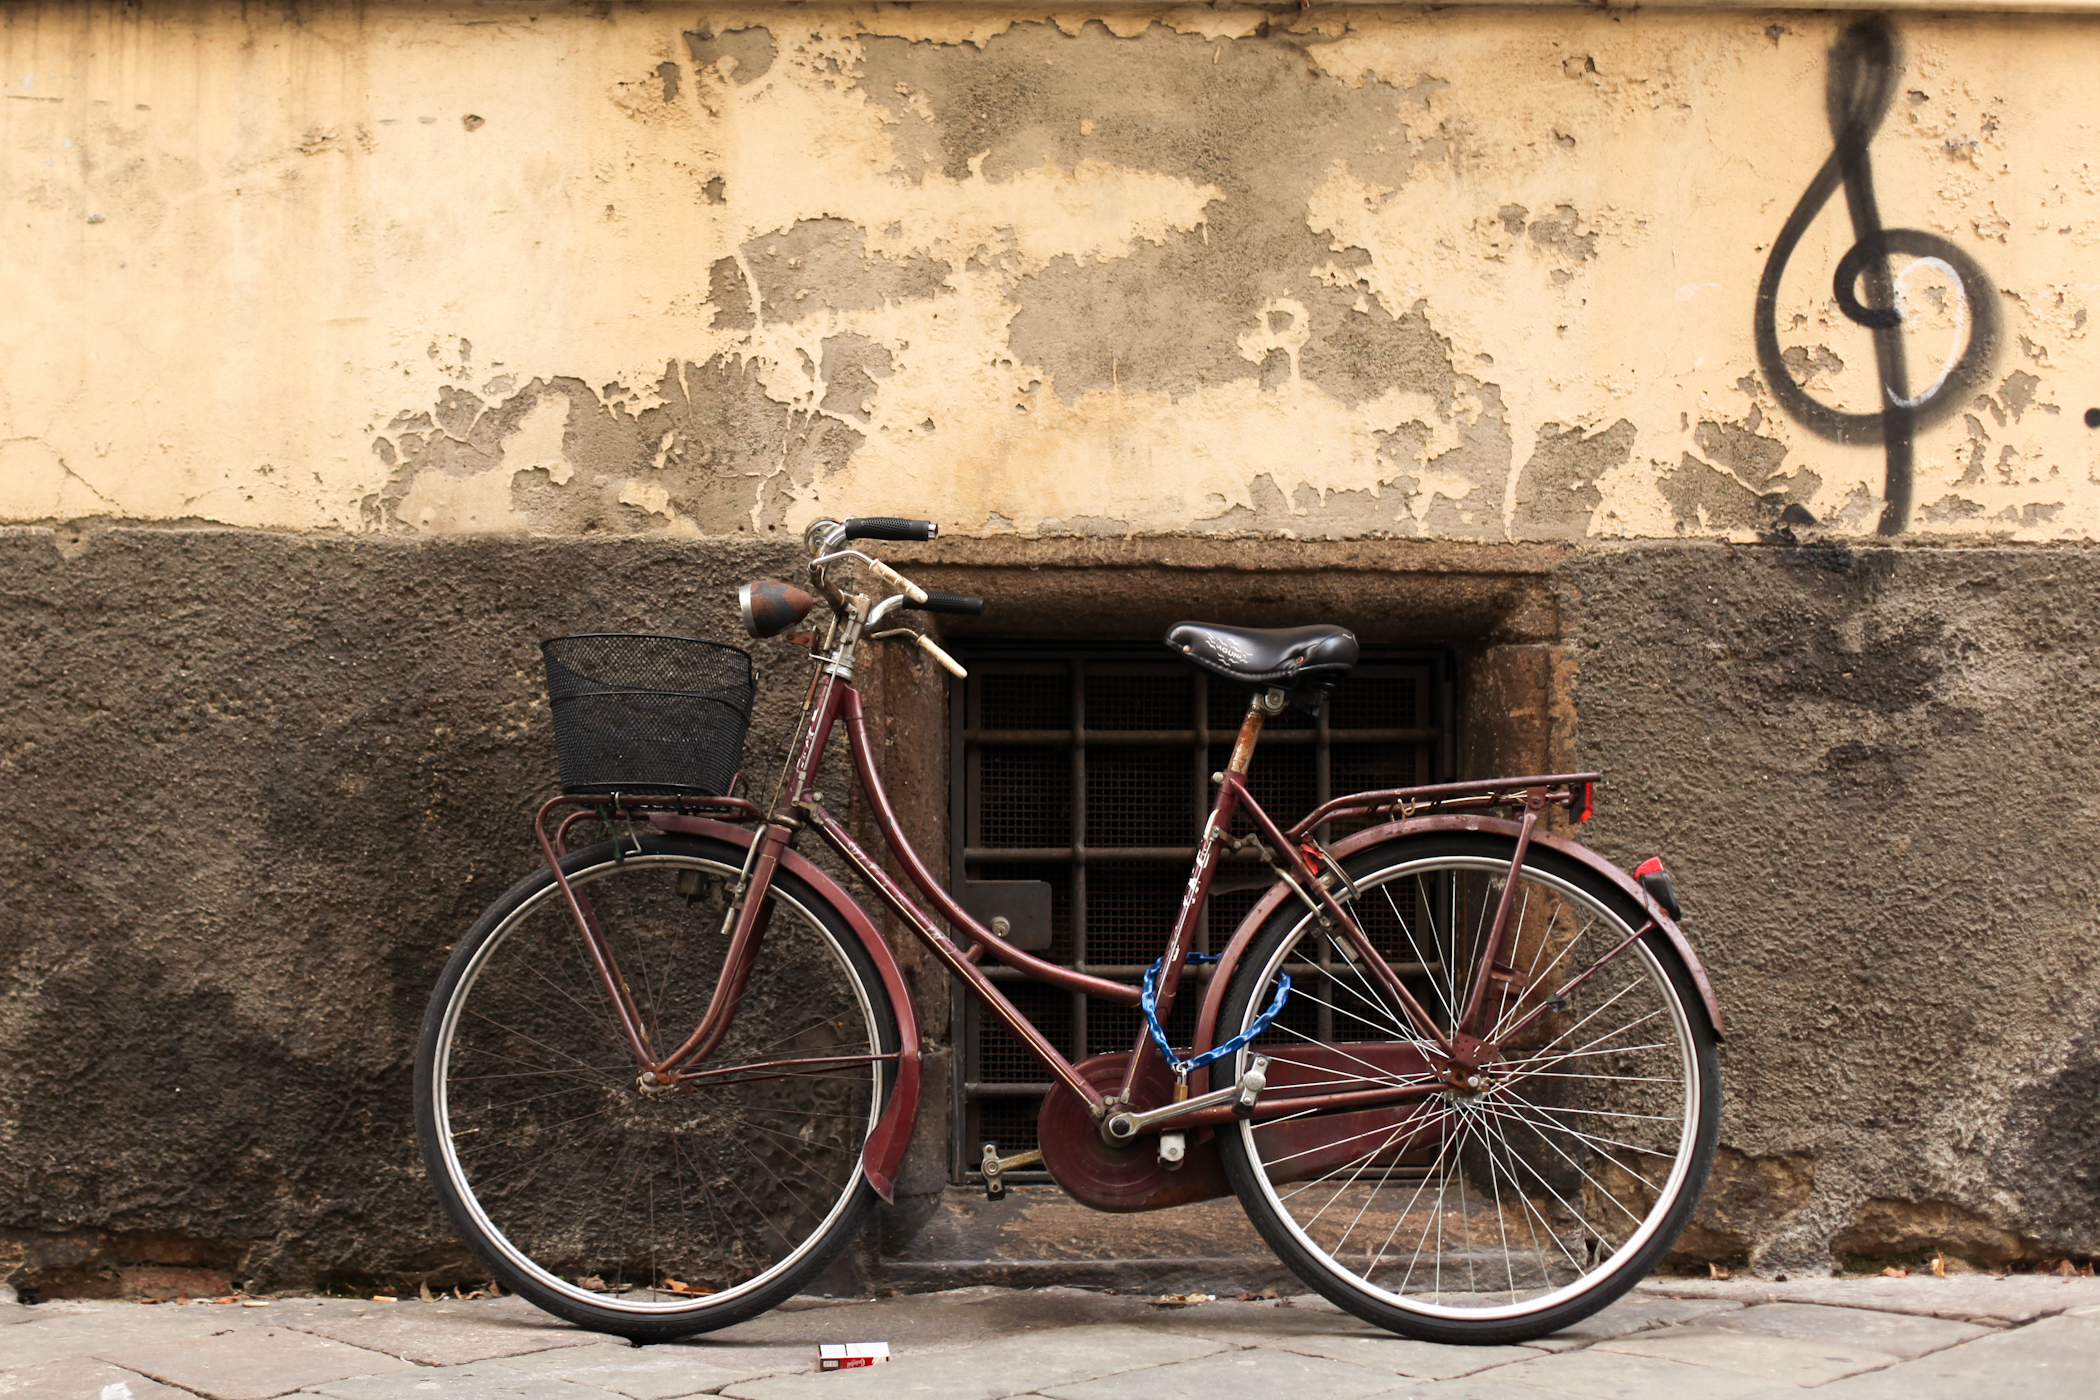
x,y
1123,1179
1250,735
770,607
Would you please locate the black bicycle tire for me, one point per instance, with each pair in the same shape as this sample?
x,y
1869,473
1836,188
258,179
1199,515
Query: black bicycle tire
x,y
1363,1299
659,1323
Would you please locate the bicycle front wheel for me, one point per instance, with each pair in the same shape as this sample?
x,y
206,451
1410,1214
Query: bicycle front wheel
x,y
1506,1209
653,1215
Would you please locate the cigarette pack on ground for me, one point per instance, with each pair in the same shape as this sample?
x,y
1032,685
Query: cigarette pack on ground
x,y
843,1356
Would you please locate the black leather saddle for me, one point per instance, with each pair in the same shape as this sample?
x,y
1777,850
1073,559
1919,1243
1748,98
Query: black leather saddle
x,y
1290,657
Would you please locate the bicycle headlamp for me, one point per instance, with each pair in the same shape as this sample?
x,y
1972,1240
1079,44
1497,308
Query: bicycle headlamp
x,y
771,607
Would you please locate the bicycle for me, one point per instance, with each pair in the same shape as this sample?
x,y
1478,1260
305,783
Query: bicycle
x,y
1460,1071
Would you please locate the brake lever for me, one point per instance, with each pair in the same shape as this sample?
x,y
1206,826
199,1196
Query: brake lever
x,y
930,647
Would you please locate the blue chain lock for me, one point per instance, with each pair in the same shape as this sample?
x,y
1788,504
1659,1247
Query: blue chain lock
x,y
1148,1002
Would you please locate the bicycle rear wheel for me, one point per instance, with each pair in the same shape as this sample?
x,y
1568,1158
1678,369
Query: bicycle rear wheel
x,y
1482,1215
653,1217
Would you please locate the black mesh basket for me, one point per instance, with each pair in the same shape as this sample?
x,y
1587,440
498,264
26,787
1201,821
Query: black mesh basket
x,y
648,714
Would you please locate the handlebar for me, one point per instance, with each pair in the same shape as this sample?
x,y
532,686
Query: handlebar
x,y
887,527
962,604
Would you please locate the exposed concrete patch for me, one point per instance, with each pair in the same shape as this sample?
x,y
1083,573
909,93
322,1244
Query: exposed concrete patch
x,y
1749,489
1705,498
851,365
1747,1200
711,452
749,52
1237,117
729,293
825,264
1885,1232
118,1264
1556,492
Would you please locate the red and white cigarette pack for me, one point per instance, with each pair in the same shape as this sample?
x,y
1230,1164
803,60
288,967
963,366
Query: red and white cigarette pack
x,y
844,1356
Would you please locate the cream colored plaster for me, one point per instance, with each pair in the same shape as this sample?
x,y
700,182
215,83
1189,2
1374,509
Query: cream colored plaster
x,y
244,247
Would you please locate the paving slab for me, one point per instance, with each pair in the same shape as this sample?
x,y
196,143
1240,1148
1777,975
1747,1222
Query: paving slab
x,y
1232,1375
1780,1360
1401,1356
257,1364
1488,1385
991,1370
1968,1298
484,1380
785,1341
1255,1324
1636,1312
83,1380
447,1333
643,1373
1617,1376
58,1331
1906,1335
2055,1359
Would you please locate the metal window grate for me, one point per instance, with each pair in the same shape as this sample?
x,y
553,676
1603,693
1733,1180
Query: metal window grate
x,y
1088,767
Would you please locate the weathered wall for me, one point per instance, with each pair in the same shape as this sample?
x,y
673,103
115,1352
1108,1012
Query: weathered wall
x,y
1874,771
1473,273
354,348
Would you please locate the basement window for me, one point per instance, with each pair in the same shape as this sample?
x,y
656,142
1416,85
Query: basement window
x,y
1087,768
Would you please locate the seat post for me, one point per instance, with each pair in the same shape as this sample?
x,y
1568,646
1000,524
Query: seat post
x,y
1266,703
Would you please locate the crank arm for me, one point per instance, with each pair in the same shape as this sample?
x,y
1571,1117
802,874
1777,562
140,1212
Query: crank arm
x,y
1118,1129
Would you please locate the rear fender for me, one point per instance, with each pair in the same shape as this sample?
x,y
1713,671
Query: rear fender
x,y
885,1146
1214,993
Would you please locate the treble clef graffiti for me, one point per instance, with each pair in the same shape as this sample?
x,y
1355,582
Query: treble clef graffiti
x,y
1861,82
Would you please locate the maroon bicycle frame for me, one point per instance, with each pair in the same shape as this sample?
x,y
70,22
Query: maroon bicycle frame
x,y
1298,859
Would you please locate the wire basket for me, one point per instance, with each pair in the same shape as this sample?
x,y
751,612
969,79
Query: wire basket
x,y
635,713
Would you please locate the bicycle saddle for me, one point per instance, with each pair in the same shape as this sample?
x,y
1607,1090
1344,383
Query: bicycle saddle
x,y
1287,656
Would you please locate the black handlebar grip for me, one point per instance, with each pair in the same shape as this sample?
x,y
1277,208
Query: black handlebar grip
x,y
937,601
887,527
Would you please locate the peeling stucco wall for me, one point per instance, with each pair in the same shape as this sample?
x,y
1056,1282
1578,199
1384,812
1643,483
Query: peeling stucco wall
x,y
1353,272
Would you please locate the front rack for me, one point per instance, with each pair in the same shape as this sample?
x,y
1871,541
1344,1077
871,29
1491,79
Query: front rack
x,y
607,805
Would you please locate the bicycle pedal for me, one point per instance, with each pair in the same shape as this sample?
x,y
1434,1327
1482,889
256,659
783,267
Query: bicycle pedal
x,y
994,1173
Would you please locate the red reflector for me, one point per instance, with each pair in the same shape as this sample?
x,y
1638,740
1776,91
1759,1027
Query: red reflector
x,y
1589,801
1653,865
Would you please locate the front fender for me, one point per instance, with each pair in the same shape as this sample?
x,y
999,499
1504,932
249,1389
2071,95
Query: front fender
x,y
884,1149
1214,994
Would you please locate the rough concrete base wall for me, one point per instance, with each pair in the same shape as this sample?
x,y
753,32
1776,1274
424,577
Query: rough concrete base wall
x,y
257,786
1874,772
260,783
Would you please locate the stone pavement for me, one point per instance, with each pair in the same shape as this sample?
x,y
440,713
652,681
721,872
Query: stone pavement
x,y
2033,1337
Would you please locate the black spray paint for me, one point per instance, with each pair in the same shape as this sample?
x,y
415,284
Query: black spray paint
x,y
1861,82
